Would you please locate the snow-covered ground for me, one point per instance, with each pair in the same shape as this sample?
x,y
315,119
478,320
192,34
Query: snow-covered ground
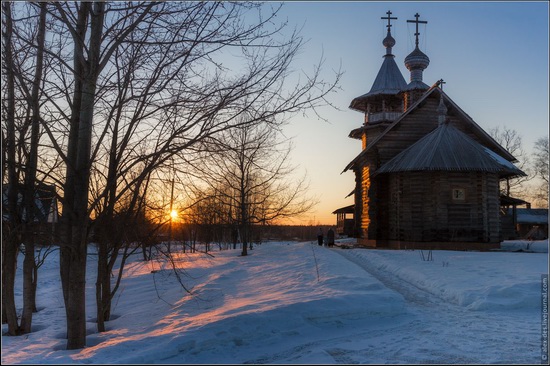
x,y
291,302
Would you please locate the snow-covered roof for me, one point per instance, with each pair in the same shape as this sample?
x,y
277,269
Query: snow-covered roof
x,y
535,216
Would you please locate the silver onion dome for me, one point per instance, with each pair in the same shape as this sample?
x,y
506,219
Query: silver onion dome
x,y
416,60
388,42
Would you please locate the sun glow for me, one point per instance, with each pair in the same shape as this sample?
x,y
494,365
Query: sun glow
x,y
174,214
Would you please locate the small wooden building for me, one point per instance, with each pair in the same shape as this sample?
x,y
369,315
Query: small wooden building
x,y
345,222
45,215
428,175
532,223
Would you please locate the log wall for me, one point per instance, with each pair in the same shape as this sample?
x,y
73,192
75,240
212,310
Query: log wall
x,y
421,207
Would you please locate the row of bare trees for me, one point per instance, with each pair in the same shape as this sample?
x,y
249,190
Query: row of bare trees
x,y
104,98
250,177
534,186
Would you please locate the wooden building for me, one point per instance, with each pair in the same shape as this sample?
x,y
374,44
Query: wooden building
x,y
428,175
45,215
345,222
531,223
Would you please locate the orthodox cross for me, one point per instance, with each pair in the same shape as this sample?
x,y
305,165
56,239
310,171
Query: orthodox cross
x,y
388,18
417,22
441,82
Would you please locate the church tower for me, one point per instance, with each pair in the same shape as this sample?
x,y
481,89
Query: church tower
x,y
382,105
384,102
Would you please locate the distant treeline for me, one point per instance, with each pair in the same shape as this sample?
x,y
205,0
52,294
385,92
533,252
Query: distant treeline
x,y
293,232
229,233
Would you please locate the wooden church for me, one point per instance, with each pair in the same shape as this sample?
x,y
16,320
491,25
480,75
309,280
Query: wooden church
x,y
428,175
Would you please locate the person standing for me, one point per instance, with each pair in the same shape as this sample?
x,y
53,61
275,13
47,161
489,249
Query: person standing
x,y
320,237
330,237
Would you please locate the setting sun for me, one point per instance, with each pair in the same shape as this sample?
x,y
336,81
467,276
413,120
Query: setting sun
x,y
174,214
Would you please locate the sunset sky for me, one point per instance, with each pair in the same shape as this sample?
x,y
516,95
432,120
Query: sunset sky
x,y
492,55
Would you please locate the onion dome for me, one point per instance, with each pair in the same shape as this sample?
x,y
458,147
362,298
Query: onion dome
x,y
417,60
388,42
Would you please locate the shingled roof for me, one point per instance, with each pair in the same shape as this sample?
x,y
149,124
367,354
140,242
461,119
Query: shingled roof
x,y
434,89
448,149
389,81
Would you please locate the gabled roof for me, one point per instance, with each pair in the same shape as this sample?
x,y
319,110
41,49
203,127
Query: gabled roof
x,y
477,129
347,209
448,149
389,81
511,201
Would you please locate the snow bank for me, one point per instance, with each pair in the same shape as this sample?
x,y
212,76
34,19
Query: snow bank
x,y
533,246
474,280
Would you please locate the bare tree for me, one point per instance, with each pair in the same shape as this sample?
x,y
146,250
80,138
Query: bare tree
x,y
251,167
79,20
29,264
512,142
540,166
209,219
10,235
24,75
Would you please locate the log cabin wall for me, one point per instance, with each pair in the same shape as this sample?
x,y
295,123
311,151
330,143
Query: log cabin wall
x,y
418,123
368,219
412,128
368,203
422,208
358,204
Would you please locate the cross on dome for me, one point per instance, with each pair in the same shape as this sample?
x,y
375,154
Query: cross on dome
x,y
417,61
389,17
388,42
417,22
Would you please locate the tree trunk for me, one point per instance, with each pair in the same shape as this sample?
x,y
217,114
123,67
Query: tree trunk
x,y
144,251
34,287
244,211
75,252
9,265
10,234
76,305
29,264
76,299
103,286
28,272
99,285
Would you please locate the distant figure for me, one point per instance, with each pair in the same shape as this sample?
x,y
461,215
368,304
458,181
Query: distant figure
x,y
330,237
320,237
